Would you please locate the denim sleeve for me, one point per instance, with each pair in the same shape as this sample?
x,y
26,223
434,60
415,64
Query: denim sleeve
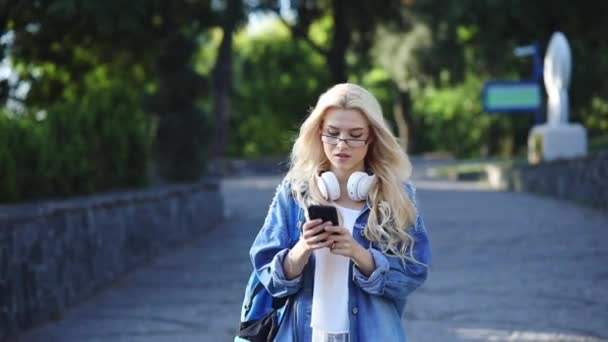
x,y
272,244
393,278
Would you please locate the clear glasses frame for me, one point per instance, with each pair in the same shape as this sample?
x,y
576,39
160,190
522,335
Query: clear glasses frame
x,y
328,139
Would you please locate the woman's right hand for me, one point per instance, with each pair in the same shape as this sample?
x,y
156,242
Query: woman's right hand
x,y
314,235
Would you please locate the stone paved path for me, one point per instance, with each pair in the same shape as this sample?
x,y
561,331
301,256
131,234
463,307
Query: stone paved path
x,y
506,267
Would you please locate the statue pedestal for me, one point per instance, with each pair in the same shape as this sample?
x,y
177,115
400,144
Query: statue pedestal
x,y
552,142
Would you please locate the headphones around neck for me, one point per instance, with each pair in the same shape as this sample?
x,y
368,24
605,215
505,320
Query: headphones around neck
x,y
358,186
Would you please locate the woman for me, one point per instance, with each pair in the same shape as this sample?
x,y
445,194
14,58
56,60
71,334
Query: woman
x,y
347,282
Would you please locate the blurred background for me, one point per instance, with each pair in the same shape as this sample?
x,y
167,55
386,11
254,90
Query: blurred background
x,y
135,129
100,95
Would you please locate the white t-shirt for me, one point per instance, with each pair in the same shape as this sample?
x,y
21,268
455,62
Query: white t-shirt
x,y
330,291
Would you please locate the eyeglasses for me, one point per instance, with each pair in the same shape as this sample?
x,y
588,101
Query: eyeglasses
x,y
328,139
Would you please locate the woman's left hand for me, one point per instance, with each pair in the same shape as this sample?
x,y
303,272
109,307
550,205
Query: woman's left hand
x,y
344,243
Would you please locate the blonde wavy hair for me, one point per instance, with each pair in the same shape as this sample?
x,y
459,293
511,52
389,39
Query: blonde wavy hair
x,y
391,209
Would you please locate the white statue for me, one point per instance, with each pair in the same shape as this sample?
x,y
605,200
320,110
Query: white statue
x,y
556,73
557,139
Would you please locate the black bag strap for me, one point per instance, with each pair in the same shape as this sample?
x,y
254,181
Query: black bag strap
x,y
278,302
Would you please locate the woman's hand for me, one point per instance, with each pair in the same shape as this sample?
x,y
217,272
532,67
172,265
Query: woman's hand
x,y
344,244
314,235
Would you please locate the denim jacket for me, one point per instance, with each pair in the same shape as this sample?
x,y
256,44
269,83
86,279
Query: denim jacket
x,y
375,303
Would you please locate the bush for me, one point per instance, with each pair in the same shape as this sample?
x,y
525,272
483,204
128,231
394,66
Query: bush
x,y
452,120
21,142
99,142
276,82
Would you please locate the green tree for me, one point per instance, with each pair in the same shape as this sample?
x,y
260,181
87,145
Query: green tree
x,y
276,82
353,27
59,41
402,54
99,142
477,38
231,14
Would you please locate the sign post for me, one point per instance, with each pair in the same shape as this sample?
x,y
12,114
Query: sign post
x,y
520,96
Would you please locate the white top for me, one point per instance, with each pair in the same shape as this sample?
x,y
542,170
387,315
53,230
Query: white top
x,y
330,290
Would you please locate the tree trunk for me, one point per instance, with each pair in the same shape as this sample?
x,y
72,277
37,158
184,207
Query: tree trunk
x,y
221,79
493,144
403,119
336,57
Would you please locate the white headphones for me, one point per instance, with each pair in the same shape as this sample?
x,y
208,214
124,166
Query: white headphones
x,y
359,184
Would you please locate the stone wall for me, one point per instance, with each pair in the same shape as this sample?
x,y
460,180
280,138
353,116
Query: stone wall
x,y
582,180
54,254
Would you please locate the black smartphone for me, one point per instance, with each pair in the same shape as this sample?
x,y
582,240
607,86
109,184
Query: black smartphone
x,y
324,212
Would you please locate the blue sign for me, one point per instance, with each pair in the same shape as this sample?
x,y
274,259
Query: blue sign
x,y
511,96
517,96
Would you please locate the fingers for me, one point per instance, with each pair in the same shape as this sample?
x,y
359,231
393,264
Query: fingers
x,y
344,248
322,244
318,234
310,224
320,238
339,245
337,230
313,230
340,250
314,234
327,231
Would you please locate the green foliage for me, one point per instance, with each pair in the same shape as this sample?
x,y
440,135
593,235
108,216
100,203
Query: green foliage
x,y
451,119
379,83
536,148
598,143
403,54
180,148
471,37
263,135
276,82
89,82
62,46
21,142
183,131
99,142
595,116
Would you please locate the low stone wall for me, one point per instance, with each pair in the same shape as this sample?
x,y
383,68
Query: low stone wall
x,y
54,254
583,180
235,167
